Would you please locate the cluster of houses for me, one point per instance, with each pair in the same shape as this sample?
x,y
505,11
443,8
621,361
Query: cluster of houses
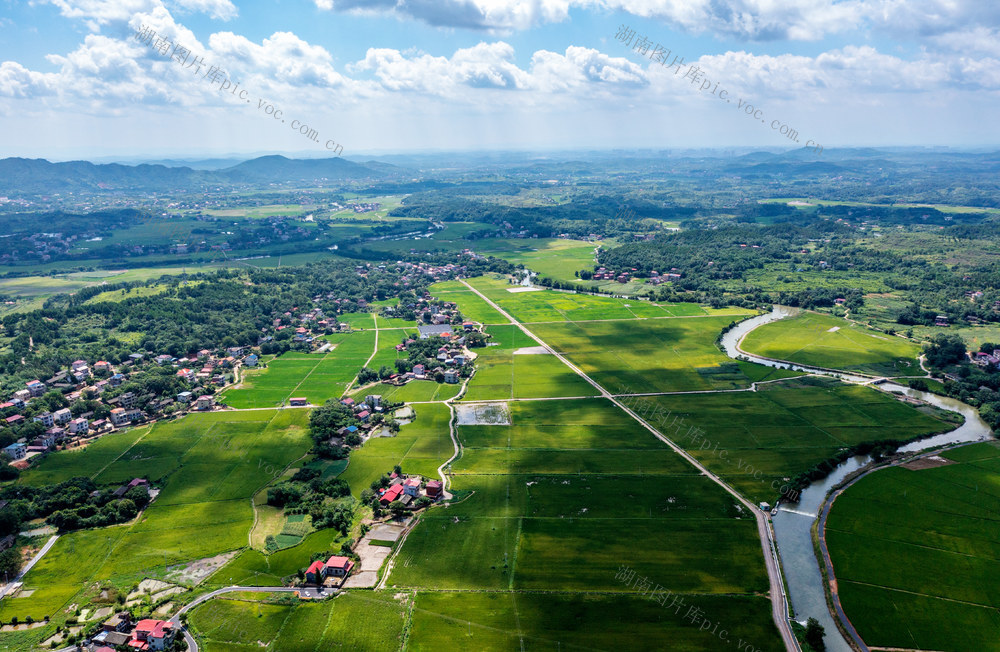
x,y
85,382
406,489
437,272
309,325
604,274
119,631
364,411
624,276
655,277
365,207
332,572
987,360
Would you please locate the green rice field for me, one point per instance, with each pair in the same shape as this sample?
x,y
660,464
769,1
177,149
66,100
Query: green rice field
x,y
917,553
208,466
825,341
315,376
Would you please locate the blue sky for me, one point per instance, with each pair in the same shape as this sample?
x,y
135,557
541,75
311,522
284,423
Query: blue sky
x,y
376,76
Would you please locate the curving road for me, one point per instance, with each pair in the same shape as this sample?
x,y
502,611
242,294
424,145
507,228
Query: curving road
x,y
779,601
193,645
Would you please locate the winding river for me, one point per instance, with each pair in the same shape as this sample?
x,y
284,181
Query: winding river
x,y
793,521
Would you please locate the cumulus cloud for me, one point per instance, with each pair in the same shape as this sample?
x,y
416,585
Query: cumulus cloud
x,y
18,82
283,56
485,65
98,13
218,9
859,70
491,15
757,20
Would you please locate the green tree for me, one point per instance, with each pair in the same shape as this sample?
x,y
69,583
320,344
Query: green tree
x,y
814,635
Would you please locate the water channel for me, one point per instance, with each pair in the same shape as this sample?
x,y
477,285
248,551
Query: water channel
x,y
793,521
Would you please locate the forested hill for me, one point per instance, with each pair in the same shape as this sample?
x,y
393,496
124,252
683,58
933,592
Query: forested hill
x,y
39,176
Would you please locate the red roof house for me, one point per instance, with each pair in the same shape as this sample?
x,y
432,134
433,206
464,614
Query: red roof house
x,y
433,488
314,574
391,494
338,566
151,635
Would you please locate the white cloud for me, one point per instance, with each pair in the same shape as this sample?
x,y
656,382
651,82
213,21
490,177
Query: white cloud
x,y
283,57
492,15
584,69
484,66
16,81
758,20
218,9
98,13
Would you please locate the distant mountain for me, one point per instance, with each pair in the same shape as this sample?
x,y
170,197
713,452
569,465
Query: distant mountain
x,y
198,164
279,168
39,176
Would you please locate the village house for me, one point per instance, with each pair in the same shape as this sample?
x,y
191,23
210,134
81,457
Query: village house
x,y
433,489
987,359
78,426
152,635
204,402
62,416
35,388
42,443
411,487
102,366
298,401
14,420
16,451
22,395
44,418
135,482
123,417
120,622
390,494
185,397
335,566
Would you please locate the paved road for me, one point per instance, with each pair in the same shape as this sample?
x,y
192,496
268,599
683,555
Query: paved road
x,y
34,560
779,601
